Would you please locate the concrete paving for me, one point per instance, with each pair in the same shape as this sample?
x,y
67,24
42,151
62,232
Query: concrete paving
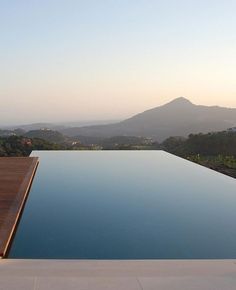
x,y
117,275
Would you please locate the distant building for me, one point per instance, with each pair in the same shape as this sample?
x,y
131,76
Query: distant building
x,y
233,129
26,141
75,143
45,129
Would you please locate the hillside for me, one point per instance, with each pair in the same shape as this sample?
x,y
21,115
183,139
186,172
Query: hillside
x,y
47,135
22,146
177,118
213,150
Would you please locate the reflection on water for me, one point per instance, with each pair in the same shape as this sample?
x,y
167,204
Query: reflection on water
x,y
126,205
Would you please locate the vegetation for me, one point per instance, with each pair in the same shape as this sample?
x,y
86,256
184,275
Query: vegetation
x,y
21,146
223,164
211,144
47,135
126,143
213,150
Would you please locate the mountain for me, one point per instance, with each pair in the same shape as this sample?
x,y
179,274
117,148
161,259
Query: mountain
x,y
180,117
58,125
37,126
15,132
47,135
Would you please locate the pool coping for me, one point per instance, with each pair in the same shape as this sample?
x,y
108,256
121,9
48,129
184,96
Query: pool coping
x,y
118,274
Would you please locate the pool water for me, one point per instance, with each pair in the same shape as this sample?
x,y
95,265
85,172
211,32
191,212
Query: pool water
x,y
126,205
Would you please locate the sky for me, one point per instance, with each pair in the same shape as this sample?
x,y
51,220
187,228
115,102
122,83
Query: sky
x,y
69,60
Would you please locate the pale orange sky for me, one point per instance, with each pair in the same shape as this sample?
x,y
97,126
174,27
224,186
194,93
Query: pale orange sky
x,y
89,60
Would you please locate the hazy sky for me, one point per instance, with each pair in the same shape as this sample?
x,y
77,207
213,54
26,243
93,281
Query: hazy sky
x,y
109,59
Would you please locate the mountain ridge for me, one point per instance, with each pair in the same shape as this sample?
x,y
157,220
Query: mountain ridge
x,y
180,117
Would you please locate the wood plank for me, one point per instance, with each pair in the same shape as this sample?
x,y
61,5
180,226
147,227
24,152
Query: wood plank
x,y
16,175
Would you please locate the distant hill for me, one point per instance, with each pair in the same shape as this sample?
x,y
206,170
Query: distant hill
x,y
38,126
58,125
16,132
180,117
47,135
5,133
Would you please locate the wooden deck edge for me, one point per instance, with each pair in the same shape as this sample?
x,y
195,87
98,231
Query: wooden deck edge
x,y
25,188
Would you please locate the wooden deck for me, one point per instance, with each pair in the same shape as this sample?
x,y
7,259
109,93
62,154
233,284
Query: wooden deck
x,y
16,175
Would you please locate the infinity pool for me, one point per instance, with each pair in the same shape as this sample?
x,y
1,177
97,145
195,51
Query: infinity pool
x,y
126,205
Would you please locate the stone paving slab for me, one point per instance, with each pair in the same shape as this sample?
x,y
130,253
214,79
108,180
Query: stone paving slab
x,y
117,275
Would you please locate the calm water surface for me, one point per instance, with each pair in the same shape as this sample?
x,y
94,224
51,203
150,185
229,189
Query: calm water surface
x,y
126,205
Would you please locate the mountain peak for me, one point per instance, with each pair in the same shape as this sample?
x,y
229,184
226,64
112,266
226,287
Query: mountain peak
x,y
181,101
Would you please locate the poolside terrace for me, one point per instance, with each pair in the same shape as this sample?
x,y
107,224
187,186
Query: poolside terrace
x,y
16,176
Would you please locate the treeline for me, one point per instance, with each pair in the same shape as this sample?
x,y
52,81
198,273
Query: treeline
x,y
21,146
214,150
211,144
